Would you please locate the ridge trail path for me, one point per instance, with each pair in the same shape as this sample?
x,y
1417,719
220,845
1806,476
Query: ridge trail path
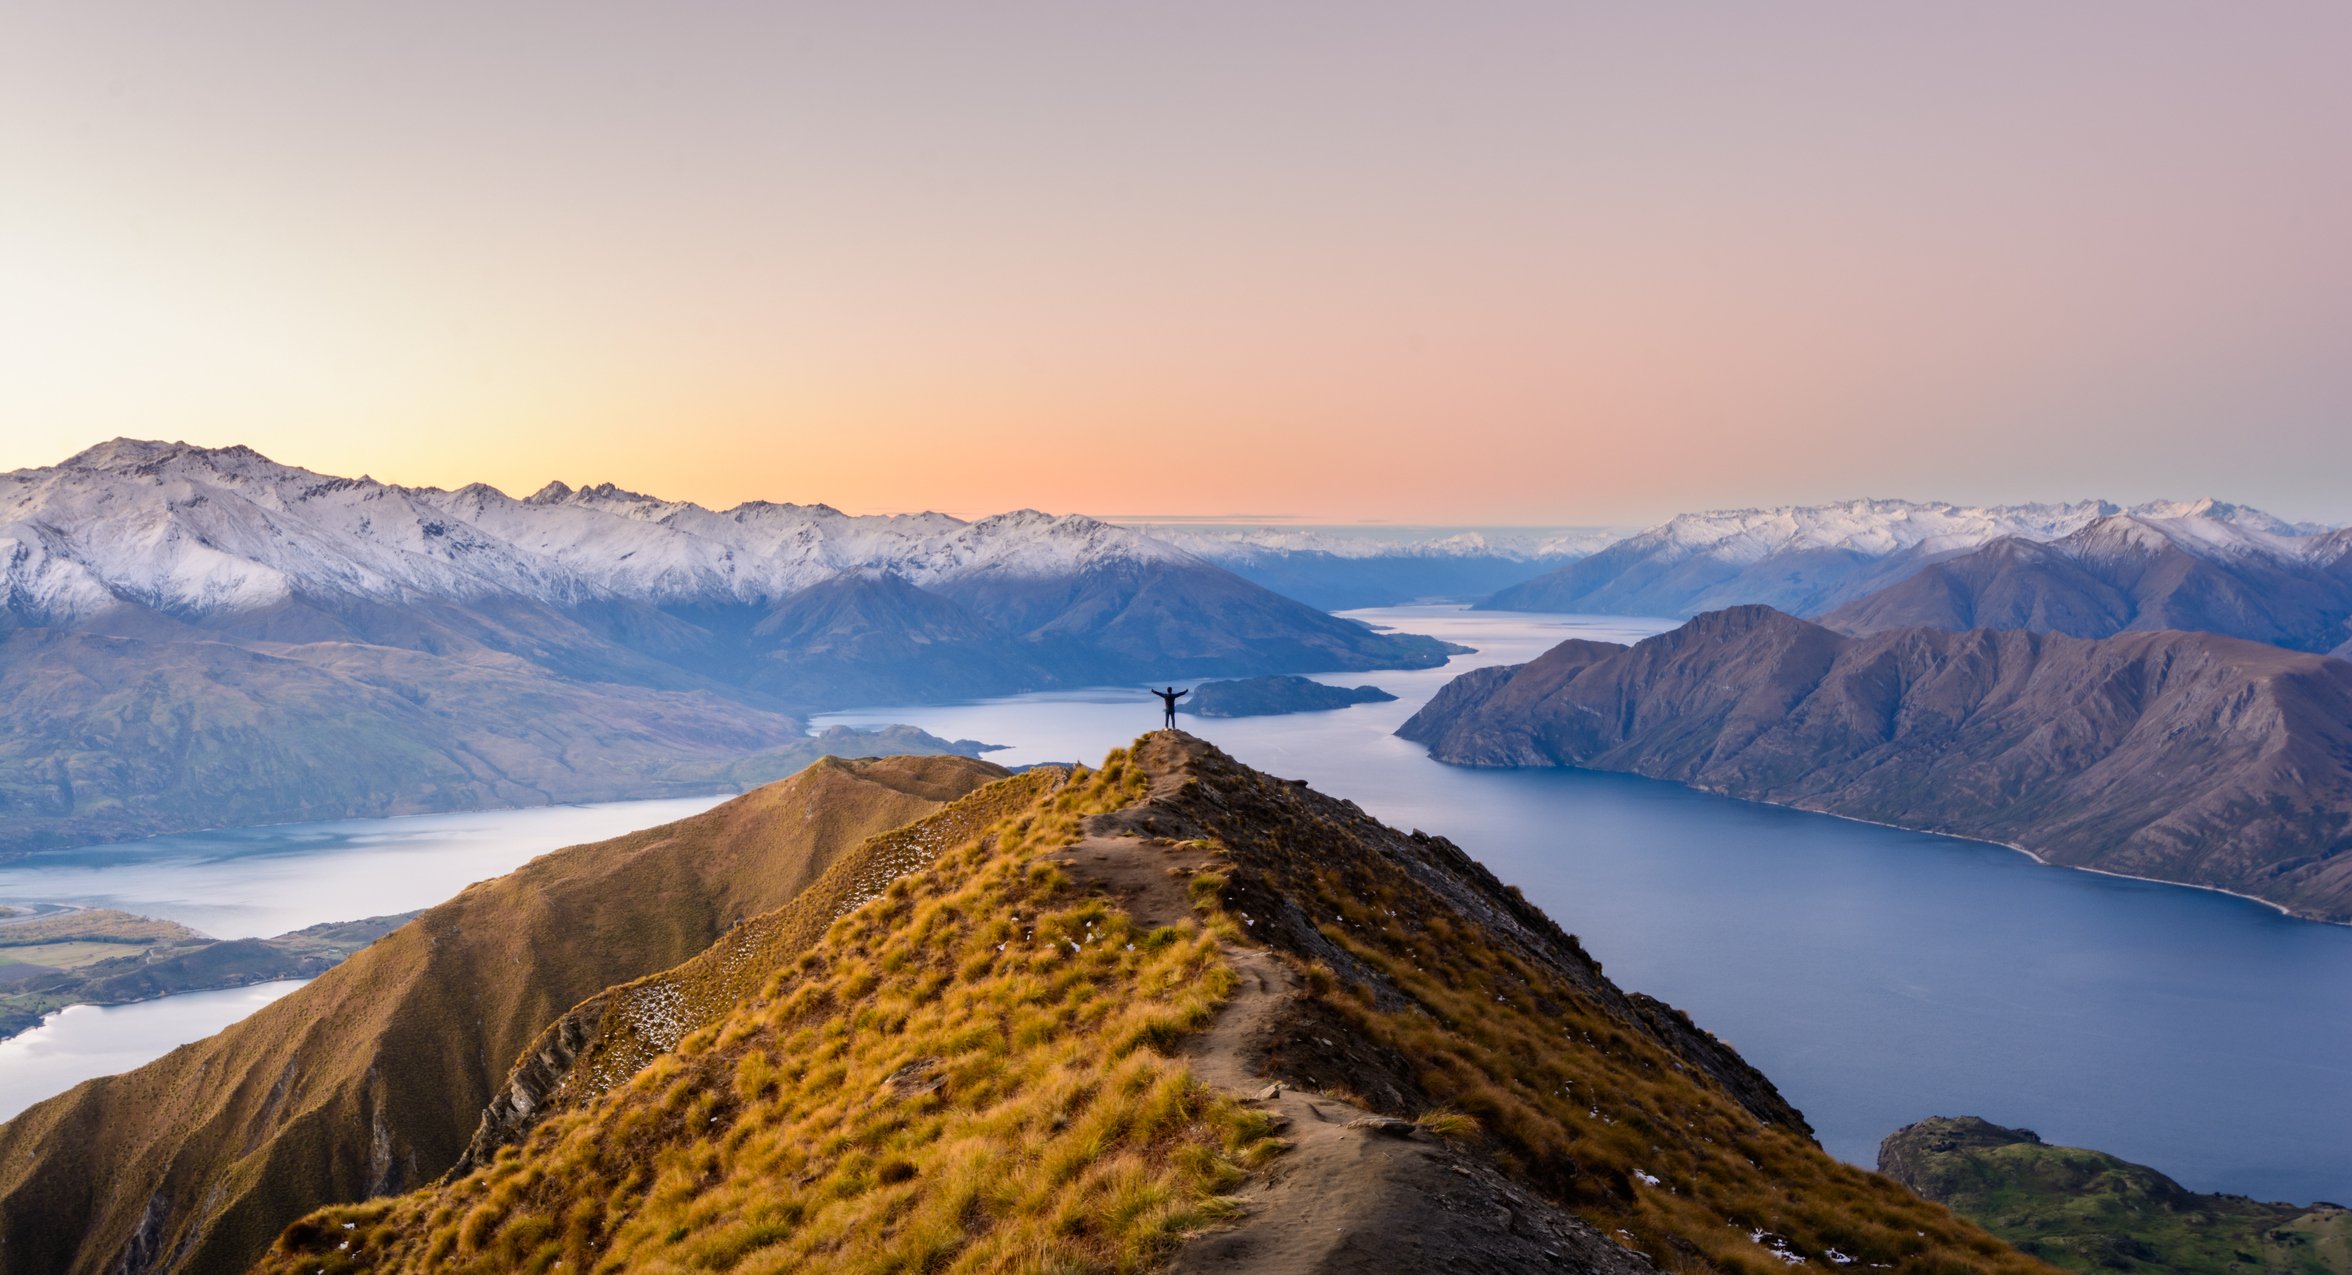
x,y
1358,1193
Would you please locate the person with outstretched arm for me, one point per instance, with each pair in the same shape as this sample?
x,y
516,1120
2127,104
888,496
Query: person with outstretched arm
x,y
1169,698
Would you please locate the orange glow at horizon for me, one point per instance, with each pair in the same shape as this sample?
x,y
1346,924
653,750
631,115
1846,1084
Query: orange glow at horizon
x,y
1505,265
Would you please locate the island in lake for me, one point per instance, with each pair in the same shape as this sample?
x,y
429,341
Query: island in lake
x,y
1269,696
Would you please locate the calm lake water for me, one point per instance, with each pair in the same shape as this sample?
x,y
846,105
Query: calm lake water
x,y
1877,976
82,1041
258,882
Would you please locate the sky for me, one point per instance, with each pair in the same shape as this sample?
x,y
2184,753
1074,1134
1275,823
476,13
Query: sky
x,y
1466,263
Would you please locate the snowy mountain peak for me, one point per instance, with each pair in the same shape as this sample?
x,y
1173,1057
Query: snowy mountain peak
x,y
1249,544
1871,528
155,458
615,493
2205,528
193,530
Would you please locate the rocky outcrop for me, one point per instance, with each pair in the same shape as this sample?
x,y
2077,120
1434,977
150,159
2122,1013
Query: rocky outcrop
x,y
2182,757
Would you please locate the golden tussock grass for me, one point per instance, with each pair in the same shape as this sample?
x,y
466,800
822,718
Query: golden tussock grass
x,y
970,1072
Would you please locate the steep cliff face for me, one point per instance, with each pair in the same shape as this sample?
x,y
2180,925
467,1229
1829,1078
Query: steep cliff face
x,y
2180,756
371,1078
1172,1014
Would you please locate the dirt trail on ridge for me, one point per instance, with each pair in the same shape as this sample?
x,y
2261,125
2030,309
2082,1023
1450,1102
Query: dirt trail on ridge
x,y
1358,1193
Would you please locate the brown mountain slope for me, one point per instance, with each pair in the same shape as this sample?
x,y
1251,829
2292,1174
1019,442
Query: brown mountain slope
x,y
1173,1013
2117,576
371,1078
108,737
2182,757
607,1038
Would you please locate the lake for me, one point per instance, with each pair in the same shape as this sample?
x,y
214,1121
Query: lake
x,y
257,882
1878,976
81,1041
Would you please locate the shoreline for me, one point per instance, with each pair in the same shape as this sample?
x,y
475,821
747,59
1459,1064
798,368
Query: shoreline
x,y
2280,908
162,996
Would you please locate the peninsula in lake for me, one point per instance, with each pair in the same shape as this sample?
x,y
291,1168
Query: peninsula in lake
x,y
2184,757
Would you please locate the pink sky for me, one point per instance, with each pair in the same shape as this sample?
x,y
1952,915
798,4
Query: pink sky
x,y
1543,263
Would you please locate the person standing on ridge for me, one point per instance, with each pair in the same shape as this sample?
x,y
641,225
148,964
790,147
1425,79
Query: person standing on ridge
x,y
1169,698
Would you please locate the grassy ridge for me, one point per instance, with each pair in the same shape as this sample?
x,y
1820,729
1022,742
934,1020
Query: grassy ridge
x,y
978,1069
969,1072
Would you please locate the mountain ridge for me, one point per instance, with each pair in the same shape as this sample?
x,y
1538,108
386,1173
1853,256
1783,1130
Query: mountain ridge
x,y
2131,572
290,529
1809,559
1161,1019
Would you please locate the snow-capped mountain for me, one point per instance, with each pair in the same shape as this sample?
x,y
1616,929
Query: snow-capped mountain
x,y
2200,565
193,531
1873,528
1810,559
2204,528
196,635
1241,544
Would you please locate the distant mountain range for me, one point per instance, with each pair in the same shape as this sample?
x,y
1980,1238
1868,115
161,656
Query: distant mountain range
x,y
193,636
2089,568
2185,757
1339,569
2130,572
